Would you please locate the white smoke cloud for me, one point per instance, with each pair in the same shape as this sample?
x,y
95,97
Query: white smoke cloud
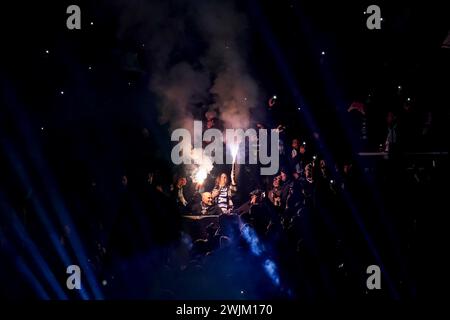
x,y
184,77
196,53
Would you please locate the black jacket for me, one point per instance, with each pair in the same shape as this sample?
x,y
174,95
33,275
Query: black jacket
x,y
199,210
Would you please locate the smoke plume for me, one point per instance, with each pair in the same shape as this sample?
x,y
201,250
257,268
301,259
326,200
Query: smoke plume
x,y
196,53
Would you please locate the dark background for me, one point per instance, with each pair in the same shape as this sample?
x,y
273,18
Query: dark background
x,y
94,130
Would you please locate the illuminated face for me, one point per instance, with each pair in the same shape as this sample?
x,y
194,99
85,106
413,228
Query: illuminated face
x,y
182,182
295,144
210,123
223,179
207,198
276,182
302,149
283,176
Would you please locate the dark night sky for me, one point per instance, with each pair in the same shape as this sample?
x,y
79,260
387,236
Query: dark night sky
x,y
104,108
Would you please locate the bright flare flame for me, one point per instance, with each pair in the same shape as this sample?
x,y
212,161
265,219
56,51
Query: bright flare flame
x,y
200,175
234,151
204,166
